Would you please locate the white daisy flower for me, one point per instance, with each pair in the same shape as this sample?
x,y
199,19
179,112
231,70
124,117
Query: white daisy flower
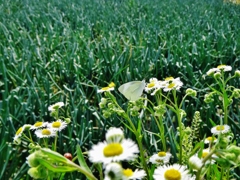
x,y
113,152
154,85
110,87
104,89
45,133
160,158
172,84
205,152
136,175
38,125
114,135
175,171
224,67
210,140
210,72
55,106
220,129
57,125
195,162
114,171
19,133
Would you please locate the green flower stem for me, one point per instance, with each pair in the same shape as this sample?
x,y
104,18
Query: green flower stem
x,y
198,175
136,133
162,133
83,171
160,120
160,125
138,138
223,87
55,142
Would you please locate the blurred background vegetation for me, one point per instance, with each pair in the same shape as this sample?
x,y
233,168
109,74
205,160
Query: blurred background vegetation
x,y
53,51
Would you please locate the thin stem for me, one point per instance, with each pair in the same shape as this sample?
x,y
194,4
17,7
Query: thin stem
x,y
83,171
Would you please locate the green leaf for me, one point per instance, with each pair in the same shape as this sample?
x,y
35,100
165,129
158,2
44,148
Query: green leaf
x,y
56,168
81,160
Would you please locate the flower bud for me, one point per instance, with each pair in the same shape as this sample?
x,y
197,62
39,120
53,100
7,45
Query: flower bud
x,y
67,120
32,161
217,75
191,92
195,162
237,73
39,172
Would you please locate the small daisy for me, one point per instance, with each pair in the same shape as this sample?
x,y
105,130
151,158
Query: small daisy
x,y
154,85
160,158
114,135
220,129
38,125
114,171
210,72
104,89
173,172
137,174
113,152
172,84
205,152
45,133
224,67
55,106
110,87
210,140
19,133
57,125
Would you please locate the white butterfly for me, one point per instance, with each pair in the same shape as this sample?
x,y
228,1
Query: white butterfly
x,y
132,90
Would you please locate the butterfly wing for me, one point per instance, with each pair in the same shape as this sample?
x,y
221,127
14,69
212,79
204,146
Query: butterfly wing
x,y
132,90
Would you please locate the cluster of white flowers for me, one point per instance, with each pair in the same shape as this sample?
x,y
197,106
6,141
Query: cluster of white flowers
x,y
195,161
168,84
43,129
115,149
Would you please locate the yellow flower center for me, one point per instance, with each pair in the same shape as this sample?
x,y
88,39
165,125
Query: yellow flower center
x,y
112,149
161,154
169,78
150,85
220,127
46,132
204,154
105,88
111,85
172,174
128,172
221,66
210,139
19,131
38,124
56,124
171,85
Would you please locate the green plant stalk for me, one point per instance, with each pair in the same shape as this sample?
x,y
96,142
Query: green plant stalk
x,y
162,134
225,99
83,171
198,175
162,130
179,119
138,138
137,135
160,125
